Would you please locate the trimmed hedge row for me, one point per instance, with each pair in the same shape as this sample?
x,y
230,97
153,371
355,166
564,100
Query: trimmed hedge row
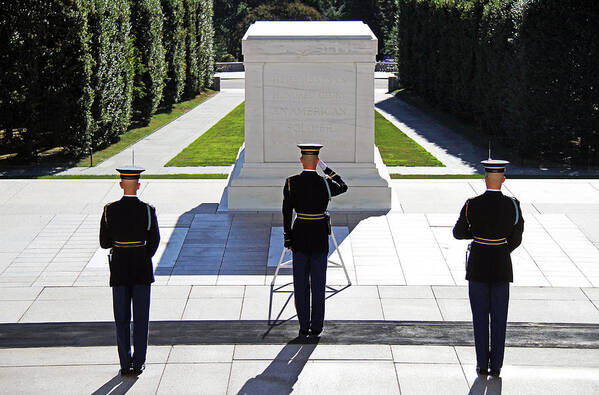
x,y
45,75
524,73
112,73
149,58
76,73
174,43
205,31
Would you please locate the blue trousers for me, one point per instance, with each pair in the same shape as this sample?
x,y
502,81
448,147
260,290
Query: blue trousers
x,y
309,274
489,300
122,296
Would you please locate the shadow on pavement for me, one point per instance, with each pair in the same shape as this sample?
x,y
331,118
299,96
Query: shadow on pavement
x,y
233,243
116,385
282,373
486,386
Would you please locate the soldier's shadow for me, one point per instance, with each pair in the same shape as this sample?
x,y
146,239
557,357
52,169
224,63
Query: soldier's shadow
x,y
275,318
282,373
116,385
490,386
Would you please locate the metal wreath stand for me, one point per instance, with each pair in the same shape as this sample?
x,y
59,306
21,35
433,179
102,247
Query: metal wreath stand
x,y
289,263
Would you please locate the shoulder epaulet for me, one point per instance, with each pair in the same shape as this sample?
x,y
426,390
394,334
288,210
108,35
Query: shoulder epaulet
x,y
106,212
516,203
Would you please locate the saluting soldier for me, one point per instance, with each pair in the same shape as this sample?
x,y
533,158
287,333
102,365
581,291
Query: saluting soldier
x,y
308,194
494,222
130,229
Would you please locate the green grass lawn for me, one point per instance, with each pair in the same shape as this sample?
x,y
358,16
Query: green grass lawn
x,y
396,148
219,145
436,176
134,135
210,176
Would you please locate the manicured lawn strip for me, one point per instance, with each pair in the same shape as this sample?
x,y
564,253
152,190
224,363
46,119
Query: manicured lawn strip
x,y
397,149
134,135
207,176
436,176
218,146
481,176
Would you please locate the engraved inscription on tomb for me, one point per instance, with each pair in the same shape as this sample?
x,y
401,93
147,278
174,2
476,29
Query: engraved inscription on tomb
x,y
309,102
320,47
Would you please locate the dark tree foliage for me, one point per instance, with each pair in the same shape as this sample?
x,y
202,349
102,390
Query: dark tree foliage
x,y
331,10
227,16
523,73
149,58
174,44
73,71
205,29
45,68
112,81
285,11
233,14
193,74
379,15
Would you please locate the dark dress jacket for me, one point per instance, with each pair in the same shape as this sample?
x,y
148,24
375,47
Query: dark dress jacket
x,y
307,193
496,226
123,227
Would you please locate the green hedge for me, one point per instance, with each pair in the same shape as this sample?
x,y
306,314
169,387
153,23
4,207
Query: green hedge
x,y
149,58
112,80
205,31
174,43
193,74
74,74
524,73
45,70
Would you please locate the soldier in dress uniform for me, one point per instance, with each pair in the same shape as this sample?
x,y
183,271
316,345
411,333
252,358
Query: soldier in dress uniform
x,y
308,194
494,222
130,229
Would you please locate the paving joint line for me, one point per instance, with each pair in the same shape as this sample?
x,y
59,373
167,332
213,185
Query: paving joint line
x,y
395,369
403,274
163,370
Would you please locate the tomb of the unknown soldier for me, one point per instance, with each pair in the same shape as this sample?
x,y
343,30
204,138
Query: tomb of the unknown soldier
x,y
309,82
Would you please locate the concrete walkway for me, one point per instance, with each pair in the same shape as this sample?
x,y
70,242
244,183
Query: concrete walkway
x,y
299,368
215,268
154,151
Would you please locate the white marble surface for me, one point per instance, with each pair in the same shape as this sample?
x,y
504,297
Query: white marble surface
x,y
308,81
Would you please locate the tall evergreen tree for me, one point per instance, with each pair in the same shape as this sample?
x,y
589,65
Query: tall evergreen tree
x,y
205,38
174,43
112,49
149,58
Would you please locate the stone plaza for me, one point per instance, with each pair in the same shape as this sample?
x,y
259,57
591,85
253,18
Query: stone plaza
x,y
213,270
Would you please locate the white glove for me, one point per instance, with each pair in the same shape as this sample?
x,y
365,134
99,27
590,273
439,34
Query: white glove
x,y
322,164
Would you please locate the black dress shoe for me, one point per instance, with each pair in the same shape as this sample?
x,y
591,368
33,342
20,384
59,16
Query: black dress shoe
x,y
495,373
139,370
126,372
315,333
482,372
303,333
